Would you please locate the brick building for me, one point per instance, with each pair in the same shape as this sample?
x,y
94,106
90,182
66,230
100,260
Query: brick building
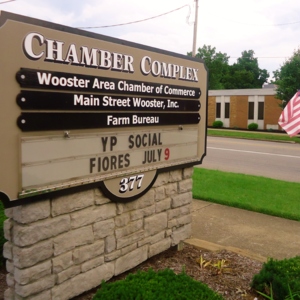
x,y
239,108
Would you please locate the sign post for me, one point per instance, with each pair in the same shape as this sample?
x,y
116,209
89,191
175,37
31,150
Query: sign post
x,y
79,109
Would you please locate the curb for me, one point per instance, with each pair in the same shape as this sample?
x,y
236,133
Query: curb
x,y
215,247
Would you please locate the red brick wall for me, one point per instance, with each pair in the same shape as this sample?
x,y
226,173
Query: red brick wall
x,y
272,110
239,111
211,111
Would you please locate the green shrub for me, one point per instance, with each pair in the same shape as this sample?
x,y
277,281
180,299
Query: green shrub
x,y
2,239
161,285
280,275
217,124
253,126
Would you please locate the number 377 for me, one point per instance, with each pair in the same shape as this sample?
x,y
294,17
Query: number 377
x,y
130,183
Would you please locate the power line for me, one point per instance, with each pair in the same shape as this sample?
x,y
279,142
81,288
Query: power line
x,y
133,22
3,2
143,20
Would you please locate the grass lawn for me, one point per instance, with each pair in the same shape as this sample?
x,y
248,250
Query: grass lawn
x,y
260,194
256,135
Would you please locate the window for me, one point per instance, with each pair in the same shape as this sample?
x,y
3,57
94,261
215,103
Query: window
x,y
251,111
261,107
227,110
218,110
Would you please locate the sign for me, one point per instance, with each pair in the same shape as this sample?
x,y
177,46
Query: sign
x,y
82,110
32,100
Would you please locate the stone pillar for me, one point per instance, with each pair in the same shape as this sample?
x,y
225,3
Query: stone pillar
x,y
59,248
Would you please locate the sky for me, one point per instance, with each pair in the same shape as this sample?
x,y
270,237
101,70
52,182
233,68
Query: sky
x,y
271,28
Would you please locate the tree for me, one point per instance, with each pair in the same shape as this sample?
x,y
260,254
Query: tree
x,y
245,73
238,79
287,78
217,64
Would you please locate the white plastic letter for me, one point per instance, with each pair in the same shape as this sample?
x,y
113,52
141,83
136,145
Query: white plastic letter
x,y
28,41
143,62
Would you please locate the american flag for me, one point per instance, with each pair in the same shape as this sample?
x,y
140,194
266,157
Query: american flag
x,y
289,119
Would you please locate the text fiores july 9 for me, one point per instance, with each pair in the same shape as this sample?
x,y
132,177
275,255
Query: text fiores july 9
x,y
111,162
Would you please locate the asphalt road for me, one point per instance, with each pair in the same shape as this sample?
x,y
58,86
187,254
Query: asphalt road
x,y
268,159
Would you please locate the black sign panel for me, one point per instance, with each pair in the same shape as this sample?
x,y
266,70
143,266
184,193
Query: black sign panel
x,y
66,121
33,100
39,79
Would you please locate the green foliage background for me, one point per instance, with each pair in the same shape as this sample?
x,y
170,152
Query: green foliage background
x,y
244,74
287,78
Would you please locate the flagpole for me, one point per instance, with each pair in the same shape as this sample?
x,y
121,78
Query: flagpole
x,y
195,30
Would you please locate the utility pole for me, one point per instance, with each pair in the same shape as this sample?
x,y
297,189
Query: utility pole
x,y
195,30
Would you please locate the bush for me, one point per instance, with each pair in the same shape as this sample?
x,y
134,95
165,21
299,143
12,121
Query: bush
x,y
217,124
280,275
161,285
253,126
